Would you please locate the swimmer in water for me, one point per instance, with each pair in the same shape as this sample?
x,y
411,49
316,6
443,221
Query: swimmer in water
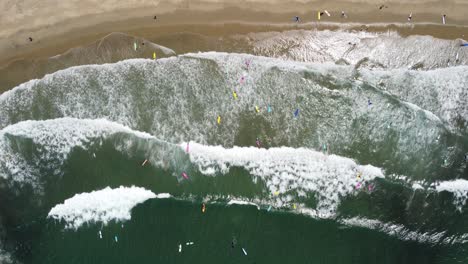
x,y
233,242
258,143
247,64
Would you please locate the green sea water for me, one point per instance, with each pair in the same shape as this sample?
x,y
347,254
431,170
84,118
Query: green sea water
x,y
363,174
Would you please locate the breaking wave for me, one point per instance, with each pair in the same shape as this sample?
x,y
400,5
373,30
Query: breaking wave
x,y
100,206
298,180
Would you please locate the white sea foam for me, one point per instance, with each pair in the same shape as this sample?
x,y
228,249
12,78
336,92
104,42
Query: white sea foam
x,y
368,49
5,257
459,188
403,233
423,90
289,172
163,195
100,206
240,202
54,140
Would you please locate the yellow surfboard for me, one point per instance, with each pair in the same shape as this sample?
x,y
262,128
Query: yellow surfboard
x,y
318,15
154,55
219,120
234,94
257,109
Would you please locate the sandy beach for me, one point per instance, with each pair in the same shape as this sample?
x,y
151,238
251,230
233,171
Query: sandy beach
x,y
57,25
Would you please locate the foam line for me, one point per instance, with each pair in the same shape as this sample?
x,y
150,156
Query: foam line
x,y
285,169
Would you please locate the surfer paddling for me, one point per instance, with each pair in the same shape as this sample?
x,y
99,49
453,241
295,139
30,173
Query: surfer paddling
x,y
258,143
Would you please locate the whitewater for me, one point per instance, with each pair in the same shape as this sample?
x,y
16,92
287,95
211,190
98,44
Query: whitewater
x,y
368,133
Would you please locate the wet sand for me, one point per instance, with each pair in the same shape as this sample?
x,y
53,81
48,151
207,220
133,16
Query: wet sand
x,y
58,26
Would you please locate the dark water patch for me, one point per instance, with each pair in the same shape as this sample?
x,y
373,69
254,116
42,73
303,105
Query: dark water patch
x,y
159,226
255,127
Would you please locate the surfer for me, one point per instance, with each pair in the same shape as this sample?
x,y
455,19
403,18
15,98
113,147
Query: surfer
x,y
296,113
269,109
219,120
233,242
203,208
443,19
144,162
155,17
242,80
343,14
410,16
296,19
30,39
369,103
382,6
185,175
257,109
258,143
247,63
234,94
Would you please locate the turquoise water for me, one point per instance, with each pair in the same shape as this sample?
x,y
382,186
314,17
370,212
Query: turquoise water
x,y
370,171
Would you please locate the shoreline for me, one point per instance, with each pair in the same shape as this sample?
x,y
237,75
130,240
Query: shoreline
x,y
79,27
59,43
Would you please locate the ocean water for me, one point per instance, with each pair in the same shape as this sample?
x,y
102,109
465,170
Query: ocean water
x,y
356,157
